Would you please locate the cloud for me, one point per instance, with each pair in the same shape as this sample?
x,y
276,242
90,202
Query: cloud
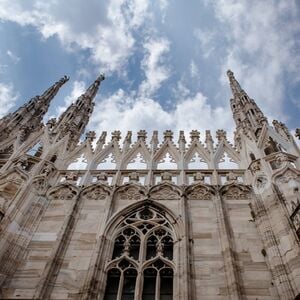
x,y
106,29
261,47
154,66
8,97
14,58
121,111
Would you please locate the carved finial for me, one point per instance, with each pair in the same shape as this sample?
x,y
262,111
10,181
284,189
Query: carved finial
x,y
297,134
102,177
168,135
51,122
234,85
101,77
231,177
133,177
90,135
128,137
221,135
199,177
142,135
116,135
195,135
71,177
154,140
102,138
166,176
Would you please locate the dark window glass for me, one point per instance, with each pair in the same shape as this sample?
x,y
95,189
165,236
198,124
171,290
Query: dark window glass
x,y
135,247
168,247
151,247
149,284
129,284
166,284
119,246
112,285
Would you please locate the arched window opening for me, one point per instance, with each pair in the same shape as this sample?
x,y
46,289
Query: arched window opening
x,y
227,163
108,163
145,242
252,157
138,162
197,162
158,282
112,286
167,163
80,163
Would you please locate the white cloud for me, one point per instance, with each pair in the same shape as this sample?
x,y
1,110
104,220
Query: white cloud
x,y
154,66
15,59
104,28
121,111
262,47
8,97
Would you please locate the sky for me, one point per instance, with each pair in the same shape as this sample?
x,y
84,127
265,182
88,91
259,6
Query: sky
x,y
165,61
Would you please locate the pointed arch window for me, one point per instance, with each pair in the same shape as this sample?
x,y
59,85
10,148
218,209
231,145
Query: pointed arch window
x,y
142,263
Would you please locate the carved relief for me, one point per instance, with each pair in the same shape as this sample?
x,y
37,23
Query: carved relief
x,y
63,192
237,192
96,192
131,192
199,193
164,192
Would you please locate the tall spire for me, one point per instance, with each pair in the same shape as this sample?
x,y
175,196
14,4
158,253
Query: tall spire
x,y
74,120
29,116
246,113
234,84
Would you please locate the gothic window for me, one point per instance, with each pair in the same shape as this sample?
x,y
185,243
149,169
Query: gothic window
x,y
143,244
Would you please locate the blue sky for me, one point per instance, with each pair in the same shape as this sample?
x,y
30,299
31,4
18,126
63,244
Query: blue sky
x,y
165,61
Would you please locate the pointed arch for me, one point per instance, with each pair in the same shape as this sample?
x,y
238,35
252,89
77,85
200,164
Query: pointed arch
x,y
196,147
138,148
168,150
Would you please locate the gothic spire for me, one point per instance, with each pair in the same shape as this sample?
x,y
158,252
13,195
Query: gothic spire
x,y
29,116
234,84
74,120
246,113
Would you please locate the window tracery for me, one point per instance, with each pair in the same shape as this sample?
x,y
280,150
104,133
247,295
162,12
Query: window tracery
x,y
142,258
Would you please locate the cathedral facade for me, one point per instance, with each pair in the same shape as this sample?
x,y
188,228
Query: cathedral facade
x,y
115,219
